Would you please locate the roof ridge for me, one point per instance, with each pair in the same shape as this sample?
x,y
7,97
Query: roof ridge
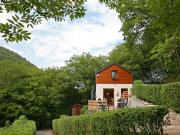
x,y
112,65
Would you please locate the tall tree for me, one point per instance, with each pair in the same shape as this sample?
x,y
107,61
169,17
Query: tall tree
x,y
82,69
130,59
147,20
152,26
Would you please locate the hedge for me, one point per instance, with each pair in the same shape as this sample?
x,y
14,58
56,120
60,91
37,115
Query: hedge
x,y
162,94
21,126
129,121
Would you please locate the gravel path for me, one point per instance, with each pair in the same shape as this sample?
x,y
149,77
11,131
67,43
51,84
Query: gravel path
x,y
172,130
44,132
134,102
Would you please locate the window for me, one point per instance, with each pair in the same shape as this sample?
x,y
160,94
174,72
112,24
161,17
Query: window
x,y
114,74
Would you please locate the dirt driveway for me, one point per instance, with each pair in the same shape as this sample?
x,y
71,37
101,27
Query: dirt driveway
x,y
134,102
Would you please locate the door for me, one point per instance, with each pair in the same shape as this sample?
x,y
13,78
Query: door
x,y
108,94
124,93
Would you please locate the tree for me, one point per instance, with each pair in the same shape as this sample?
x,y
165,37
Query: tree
x,y
82,69
152,26
27,13
130,59
147,20
166,56
42,97
12,74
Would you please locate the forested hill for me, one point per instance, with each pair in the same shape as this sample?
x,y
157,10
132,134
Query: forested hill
x,y
13,68
7,55
14,72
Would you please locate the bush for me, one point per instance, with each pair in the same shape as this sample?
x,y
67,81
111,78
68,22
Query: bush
x,y
84,109
141,121
22,126
162,94
136,82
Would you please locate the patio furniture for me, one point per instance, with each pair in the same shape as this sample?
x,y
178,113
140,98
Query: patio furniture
x,y
122,103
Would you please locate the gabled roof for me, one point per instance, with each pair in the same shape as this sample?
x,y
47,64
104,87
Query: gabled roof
x,y
112,65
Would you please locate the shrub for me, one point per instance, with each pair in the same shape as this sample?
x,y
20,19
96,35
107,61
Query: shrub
x,y
136,82
162,94
21,126
84,109
141,121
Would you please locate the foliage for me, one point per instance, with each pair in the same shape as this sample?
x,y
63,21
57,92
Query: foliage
x,y
164,94
130,59
81,69
26,14
151,29
43,95
137,82
21,126
84,109
13,68
167,56
157,66
13,72
142,20
151,51
126,121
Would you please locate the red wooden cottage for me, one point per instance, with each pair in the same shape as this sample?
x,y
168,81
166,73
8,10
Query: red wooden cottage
x,y
112,83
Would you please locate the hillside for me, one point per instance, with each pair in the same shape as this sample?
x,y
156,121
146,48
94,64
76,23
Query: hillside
x,y
13,68
7,55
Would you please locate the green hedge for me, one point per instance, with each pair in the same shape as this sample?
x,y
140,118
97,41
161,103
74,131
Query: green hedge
x,y
164,94
22,126
129,121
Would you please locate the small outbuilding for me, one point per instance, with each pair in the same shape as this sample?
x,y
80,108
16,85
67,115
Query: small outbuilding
x,y
113,83
76,109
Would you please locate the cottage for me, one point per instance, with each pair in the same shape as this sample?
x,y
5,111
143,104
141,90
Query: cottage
x,y
113,83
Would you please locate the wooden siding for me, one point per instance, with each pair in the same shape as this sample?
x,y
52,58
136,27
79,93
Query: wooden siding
x,y
105,76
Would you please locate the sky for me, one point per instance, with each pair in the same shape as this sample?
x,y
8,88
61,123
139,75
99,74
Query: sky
x,y
52,43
